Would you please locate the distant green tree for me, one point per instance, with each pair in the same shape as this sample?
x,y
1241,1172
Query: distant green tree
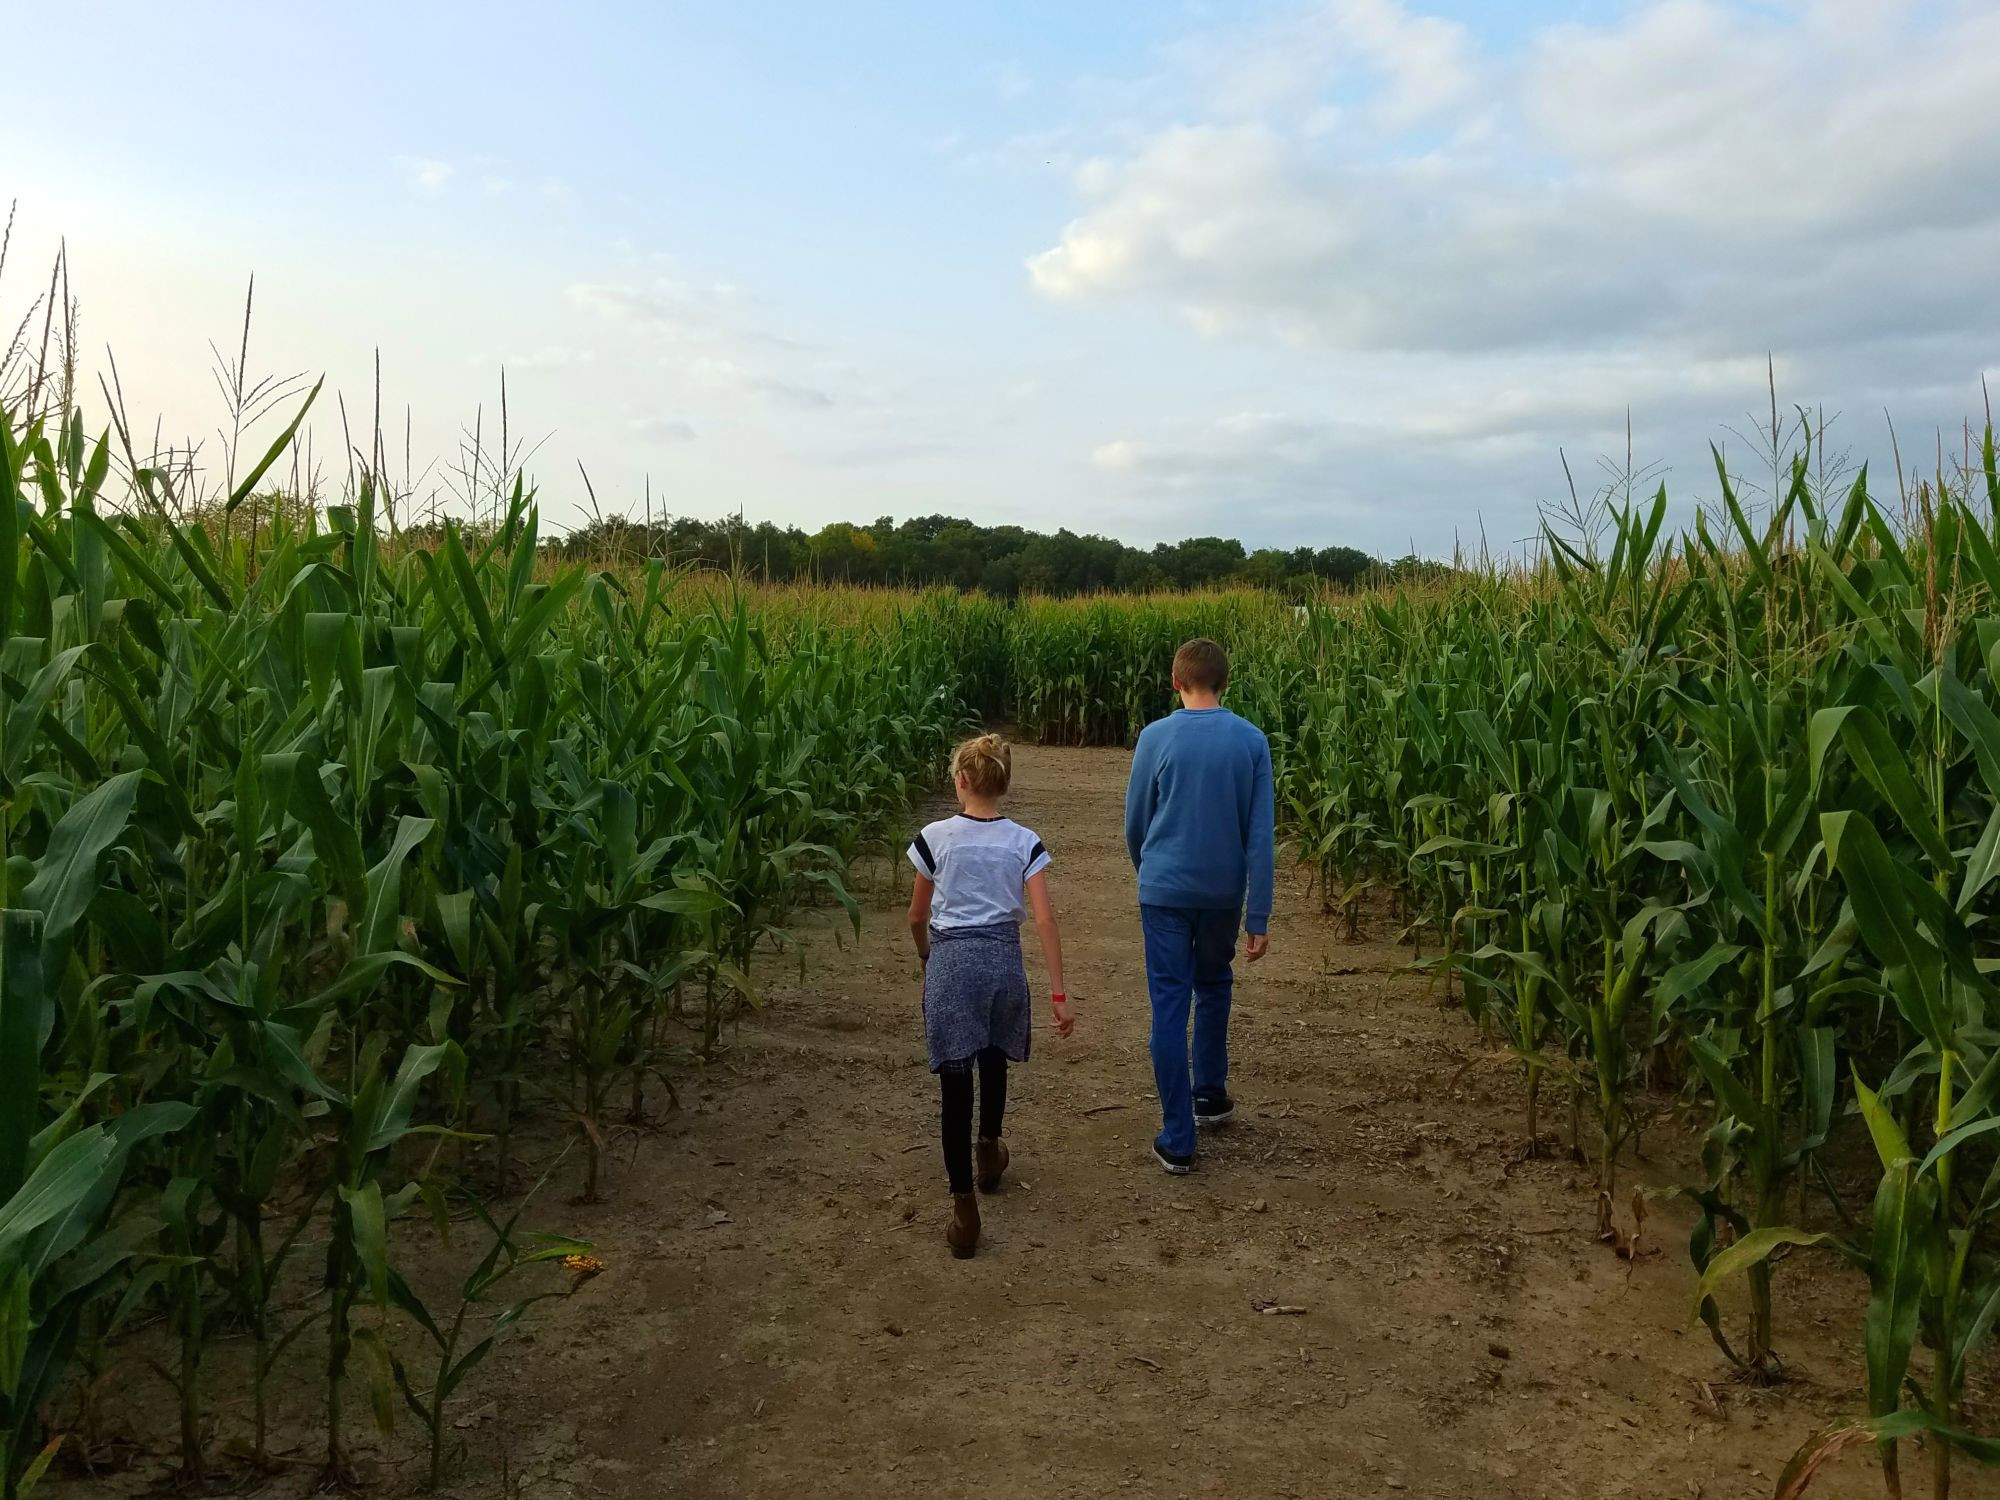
x,y
845,553
1266,568
950,551
1202,561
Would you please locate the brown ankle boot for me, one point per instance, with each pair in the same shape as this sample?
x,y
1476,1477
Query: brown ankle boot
x,y
962,1233
989,1161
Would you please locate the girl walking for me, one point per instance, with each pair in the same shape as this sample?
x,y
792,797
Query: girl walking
x,y
978,876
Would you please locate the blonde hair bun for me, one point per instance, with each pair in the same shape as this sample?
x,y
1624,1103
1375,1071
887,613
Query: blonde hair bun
x,y
986,764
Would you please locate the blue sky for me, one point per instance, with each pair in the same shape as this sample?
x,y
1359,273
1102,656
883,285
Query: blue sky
x,y
1334,271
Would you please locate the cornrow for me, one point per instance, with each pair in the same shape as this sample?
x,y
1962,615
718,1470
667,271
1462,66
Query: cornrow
x,y
986,764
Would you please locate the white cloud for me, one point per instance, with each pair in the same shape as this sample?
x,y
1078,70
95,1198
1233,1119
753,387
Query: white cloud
x,y
425,173
1415,65
1121,453
1697,176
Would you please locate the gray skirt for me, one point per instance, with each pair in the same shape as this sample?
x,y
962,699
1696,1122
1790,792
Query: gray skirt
x,y
975,995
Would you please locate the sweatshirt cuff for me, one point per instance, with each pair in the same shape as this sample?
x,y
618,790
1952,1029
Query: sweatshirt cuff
x,y
1256,925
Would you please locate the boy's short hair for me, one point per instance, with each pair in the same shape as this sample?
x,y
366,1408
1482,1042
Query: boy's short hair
x,y
1202,665
986,764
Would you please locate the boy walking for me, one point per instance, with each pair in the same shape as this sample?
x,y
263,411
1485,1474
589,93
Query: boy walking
x,y
1198,825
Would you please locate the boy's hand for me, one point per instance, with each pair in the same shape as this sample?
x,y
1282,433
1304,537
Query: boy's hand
x,y
1256,947
1065,1017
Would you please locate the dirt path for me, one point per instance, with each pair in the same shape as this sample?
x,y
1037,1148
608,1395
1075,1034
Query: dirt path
x,y
781,1317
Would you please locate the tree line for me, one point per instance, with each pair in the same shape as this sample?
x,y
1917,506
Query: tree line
x,y
1004,561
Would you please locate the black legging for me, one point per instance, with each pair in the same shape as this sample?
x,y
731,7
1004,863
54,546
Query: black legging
x,y
956,1086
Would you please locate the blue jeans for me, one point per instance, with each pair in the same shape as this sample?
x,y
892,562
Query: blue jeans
x,y
1187,961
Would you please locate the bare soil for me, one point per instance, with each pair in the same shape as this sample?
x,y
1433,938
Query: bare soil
x,y
780,1316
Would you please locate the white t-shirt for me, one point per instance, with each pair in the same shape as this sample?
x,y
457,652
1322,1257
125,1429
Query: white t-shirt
x,y
979,866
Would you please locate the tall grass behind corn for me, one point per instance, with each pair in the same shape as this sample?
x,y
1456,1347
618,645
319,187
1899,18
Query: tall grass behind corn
x,y
1095,670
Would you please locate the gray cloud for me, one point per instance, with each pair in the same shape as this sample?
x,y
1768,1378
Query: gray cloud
x,y
661,429
1478,256
1691,167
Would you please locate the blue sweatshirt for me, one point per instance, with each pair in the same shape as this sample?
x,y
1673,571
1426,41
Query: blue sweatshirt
x,y
1198,814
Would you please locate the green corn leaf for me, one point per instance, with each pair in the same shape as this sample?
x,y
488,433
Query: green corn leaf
x,y
379,1372
1956,1138
1890,1142
248,483
111,674
1690,977
66,878
195,559
1731,1098
21,1007
1886,766
1978,723
1903,1205
24,714
378,932
685,903
16,1326
70,1172
1753,1249
1880,901
398,1103
473,595
368,1228
1982,865
1817,1072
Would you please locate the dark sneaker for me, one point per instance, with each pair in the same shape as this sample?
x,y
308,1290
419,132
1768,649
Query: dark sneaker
x,y
1213,1109
1177,1166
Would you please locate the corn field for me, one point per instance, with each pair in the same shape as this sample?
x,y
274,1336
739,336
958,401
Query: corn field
x,y
328,857
337,860
1721,808
1715,813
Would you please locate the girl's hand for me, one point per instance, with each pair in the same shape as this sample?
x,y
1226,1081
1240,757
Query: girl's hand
x,y
1065,1018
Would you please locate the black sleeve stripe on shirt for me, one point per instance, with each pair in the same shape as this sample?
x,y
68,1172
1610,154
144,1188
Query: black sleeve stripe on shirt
x,y
1037,852
924,853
